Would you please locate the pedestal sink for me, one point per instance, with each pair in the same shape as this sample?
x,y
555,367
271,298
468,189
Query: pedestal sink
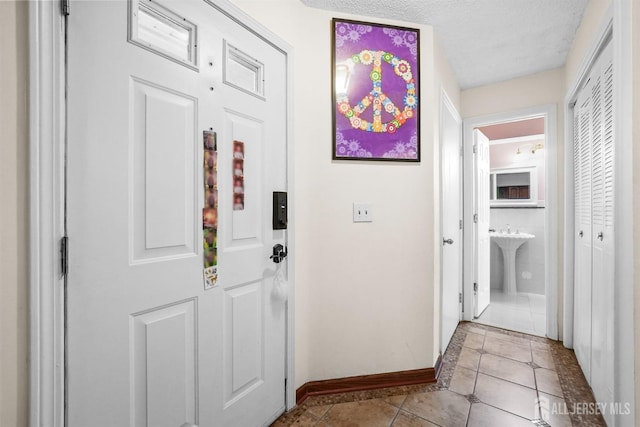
x,y
509,243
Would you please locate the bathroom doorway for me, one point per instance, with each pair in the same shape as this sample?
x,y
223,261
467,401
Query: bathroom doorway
x,y
510,205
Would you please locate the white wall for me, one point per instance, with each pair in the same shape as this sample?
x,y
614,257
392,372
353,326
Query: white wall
x,y
14,216
366,295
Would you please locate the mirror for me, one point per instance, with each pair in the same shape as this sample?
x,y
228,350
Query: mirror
x,y
513,187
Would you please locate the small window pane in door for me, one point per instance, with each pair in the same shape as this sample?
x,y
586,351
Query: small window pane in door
x,y
161,31
243,72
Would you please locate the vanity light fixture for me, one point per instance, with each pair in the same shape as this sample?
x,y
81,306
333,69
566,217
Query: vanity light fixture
x,y
534,147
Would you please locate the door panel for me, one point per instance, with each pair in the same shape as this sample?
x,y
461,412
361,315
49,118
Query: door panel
x,y
163,355
147,344
483,239
162,171
245,324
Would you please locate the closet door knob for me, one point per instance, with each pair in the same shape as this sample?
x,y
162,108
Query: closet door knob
x,y
600,236
581,233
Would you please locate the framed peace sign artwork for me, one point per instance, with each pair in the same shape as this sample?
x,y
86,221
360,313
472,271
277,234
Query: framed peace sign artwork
x,y
375,80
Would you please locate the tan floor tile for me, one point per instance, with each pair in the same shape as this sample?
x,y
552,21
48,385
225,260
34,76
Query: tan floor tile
x,y
305,420
405,419
499,401
543,358
525,342
476,330
507,349
554,411
507,369
365,413
536,345
468,359
463,380
396,401
507,396
547,382
320,410
474,341
482,415
443,407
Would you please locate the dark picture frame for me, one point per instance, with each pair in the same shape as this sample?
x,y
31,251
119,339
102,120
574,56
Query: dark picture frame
x,y
375,81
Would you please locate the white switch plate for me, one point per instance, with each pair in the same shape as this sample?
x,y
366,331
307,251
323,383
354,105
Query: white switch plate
x,y
362,212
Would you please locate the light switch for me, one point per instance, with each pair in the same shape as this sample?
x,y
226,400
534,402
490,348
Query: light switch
x,y
362,212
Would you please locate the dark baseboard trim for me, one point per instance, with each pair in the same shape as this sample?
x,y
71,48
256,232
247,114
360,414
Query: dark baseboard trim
x,y
369,382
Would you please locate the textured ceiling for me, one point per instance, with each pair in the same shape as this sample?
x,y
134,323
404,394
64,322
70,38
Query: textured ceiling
x,y
486,41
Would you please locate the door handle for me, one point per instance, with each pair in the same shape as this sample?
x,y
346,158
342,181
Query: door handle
x,y
581,233
279,253
447,241
600,236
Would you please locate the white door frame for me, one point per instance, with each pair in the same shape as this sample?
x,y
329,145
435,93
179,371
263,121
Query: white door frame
x,y
47,164
445,103
616,26
551,206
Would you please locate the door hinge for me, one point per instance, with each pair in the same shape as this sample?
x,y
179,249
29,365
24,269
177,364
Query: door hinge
x,y
475,148
460,297
461,151
475,287
65,7
64,256
460,224
475,218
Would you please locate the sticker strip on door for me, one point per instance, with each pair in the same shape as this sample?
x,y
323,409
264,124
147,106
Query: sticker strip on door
x,y
238,176
210,211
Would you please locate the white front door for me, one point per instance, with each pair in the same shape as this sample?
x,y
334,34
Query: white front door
x,y
483,240
451,214
147,344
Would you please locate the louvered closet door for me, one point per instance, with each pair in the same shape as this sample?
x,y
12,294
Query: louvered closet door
x,y
582,263
602,230
594,249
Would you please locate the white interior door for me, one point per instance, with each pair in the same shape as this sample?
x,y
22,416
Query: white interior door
x,y
451,217
582,259
483,242
147,345
602,353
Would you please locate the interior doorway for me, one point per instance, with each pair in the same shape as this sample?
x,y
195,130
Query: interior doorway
x,y
516,201
510,205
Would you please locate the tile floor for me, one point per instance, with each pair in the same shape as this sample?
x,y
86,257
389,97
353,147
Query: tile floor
x,y
521,312
488,377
